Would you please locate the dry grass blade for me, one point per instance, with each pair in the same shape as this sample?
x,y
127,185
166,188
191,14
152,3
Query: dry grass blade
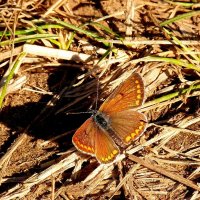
x,y
124,179
21,190
164,172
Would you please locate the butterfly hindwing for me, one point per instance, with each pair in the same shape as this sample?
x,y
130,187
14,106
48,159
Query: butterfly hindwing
x,y
105,148
129,94
83,138
128,125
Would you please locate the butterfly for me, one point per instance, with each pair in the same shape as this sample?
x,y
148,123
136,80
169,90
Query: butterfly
x,y
116,124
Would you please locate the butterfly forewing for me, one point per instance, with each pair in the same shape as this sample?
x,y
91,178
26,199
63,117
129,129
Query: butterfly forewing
x,y
91,139
130,94
128,125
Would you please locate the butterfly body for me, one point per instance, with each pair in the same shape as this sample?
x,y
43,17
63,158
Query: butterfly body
x,y
102,120
116,124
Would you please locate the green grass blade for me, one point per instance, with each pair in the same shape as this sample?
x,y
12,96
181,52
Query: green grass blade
x,y
170,60
104,55
184,47
10,76
170,96
42,31
70,40
179,3
77,29
106,29
180,17
31,30
29,37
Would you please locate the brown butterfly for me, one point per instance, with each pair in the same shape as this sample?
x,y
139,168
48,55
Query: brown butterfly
x,y
116,124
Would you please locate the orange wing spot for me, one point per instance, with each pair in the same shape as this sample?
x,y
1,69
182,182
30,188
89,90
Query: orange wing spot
x,y
139,91
137,131
110,157
89,148
142,123
136,81
119,96
140,127
139,96
137,103
115,152
133,134
77,141
128,138
138,86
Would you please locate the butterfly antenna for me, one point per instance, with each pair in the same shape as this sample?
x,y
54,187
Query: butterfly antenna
x,y
77,113
97,92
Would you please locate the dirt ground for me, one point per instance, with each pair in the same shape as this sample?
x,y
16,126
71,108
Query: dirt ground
x,y
38,159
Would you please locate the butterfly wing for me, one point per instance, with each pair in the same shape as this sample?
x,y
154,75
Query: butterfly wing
x,y
93,140
130,94
83,138
128,125
105,149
